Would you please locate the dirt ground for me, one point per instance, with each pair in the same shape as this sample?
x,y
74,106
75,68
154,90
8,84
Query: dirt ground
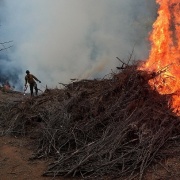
x,y
15,160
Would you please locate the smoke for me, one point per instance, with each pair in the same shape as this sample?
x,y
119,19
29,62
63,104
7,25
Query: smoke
x,y
59,40
8,68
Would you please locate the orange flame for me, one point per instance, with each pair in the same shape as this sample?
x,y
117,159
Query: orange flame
x,y
164,58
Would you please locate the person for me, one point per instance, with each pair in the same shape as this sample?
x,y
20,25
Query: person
x,y
30,78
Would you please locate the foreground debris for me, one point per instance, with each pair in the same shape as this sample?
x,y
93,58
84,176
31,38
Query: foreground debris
x,y
117,126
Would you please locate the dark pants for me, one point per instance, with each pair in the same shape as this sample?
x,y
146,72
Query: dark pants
x,y
33,85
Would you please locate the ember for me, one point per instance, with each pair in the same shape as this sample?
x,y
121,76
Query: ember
x,y
6,87
165,52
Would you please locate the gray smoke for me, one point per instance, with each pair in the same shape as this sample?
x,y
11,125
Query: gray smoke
x,y
9,70
63,39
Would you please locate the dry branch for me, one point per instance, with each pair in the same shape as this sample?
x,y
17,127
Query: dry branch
x,y
117,126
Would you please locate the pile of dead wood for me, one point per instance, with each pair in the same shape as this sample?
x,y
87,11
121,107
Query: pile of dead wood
x,y
115,126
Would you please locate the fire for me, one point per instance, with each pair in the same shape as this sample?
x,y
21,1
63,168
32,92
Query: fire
x,y
164,57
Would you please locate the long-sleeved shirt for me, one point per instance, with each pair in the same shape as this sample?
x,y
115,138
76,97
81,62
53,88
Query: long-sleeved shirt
x,y
30,79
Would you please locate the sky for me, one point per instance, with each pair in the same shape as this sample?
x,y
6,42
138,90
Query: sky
x,y
59,40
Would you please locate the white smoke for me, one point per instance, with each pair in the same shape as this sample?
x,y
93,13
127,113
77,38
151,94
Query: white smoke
x,y
62,39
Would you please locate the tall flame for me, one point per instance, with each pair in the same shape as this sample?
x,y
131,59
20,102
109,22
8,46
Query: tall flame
x,y
164,57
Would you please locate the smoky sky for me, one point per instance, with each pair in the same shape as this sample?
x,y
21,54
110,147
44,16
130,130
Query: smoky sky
x,y
62,39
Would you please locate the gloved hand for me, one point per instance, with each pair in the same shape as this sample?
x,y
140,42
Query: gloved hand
x,y
39,81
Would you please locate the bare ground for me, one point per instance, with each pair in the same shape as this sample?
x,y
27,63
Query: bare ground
x,y
15,163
